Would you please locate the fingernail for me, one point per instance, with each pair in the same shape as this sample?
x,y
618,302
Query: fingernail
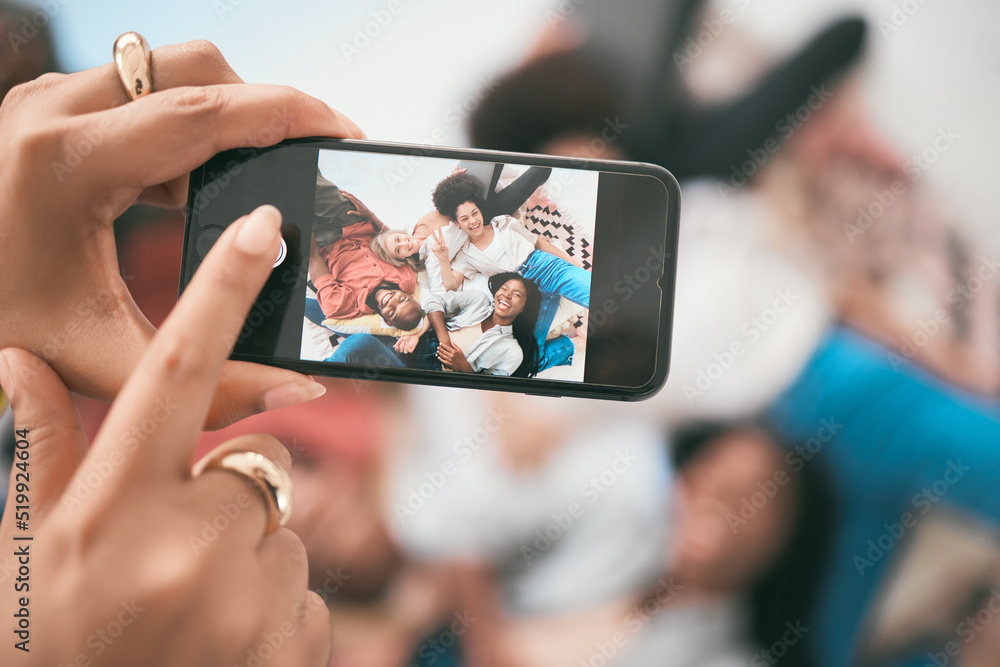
x,y
5,376
259,232
292,393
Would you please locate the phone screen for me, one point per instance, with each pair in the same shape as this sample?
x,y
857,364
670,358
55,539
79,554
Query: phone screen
x,y
414,265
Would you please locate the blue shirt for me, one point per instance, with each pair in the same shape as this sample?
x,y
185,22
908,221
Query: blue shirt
x,y
897,441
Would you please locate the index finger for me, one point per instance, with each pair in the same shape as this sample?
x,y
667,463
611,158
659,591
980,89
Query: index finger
x,y
197,63
184,127
162,407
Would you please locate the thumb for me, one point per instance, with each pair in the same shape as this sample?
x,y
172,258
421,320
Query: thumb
x,y
247,389
50,443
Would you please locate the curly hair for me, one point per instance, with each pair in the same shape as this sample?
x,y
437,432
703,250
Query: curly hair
x,y
454,191
556,96
524,324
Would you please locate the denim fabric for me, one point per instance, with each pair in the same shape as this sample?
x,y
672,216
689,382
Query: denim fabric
x,y
556,352
555,277
366,350
313,311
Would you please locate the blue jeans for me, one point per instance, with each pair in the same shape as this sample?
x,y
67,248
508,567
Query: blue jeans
x,y
555,277
369,351
363,349
313,312
556,352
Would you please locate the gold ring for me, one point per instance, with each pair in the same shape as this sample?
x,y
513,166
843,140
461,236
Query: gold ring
x,y
270,480
132,58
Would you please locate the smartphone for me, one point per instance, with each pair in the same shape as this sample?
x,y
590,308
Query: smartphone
x,y
479,269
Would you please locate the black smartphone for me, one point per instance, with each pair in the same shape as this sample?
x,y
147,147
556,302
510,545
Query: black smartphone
x,y
478,269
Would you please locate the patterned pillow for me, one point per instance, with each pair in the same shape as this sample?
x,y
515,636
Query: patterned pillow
x,y
371,324
543,217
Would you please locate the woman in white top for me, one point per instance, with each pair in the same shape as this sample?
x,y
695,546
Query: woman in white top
x,y
506,335
502,244
470,334
436,239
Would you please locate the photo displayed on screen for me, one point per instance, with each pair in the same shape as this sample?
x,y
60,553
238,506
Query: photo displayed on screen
x,y
435,264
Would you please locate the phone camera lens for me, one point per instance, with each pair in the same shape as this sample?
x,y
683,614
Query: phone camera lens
x,y
206,239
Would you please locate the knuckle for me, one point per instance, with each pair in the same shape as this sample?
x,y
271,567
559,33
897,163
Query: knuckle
x,y
181,357
49,80
280,452
41,138
37,143
197,60
292,552
179,581
264,444
202,49
291,101
211,61
30,89
194,101
290,94
172,194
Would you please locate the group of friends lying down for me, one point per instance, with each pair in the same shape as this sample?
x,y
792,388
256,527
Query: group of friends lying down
x,y
491,288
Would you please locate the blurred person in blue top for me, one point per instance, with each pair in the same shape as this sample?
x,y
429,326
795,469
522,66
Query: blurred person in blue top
x,y
896,440
886,429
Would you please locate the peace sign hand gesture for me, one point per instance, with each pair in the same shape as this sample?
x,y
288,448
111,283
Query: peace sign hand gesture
x,y
439,247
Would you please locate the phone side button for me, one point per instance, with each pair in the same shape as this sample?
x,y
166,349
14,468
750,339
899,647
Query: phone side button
x,y
542,394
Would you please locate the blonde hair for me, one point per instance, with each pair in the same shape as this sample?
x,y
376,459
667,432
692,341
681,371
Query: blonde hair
x,y
380,251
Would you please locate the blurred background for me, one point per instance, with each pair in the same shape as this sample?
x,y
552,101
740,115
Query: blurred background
x,y
817,483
